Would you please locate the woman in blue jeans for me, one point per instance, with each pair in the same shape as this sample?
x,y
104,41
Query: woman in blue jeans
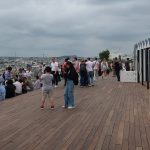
x,y
69,89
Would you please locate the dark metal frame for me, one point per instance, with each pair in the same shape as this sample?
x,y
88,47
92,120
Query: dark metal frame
x,y
138,67
148,79
147,66
142,49
142,66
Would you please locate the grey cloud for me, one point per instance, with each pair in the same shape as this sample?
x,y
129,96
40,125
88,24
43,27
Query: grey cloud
x,y
82,27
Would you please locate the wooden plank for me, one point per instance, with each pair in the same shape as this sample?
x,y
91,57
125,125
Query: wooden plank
x,y
119,139
125,145
109,116
139,148
105,145
143,131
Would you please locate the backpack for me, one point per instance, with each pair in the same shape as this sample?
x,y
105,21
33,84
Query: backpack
x,y
76,78
82,67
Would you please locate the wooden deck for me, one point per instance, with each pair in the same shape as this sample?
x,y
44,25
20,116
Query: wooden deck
x,y
109,116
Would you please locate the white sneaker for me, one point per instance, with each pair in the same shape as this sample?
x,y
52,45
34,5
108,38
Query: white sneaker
x,y
70,107
56,86
64,107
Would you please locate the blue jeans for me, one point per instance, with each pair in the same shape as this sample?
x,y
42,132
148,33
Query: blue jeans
x,y
69,94
2,92
90,77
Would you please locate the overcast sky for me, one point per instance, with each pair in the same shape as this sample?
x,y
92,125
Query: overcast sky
x,y
66,27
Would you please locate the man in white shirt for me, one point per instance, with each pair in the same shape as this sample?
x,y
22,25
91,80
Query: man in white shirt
x,y
18,86
90,71
54,67
96,69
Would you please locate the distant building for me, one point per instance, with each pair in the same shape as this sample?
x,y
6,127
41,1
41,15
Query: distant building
x,y
123,56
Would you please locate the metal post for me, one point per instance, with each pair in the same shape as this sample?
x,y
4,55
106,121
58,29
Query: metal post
x,y
148,86
142,66
147,67
138,65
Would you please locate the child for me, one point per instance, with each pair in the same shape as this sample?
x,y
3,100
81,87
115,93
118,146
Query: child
x,y
47,89
37,84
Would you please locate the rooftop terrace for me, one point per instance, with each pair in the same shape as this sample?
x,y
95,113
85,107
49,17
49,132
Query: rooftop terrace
x,y
109,116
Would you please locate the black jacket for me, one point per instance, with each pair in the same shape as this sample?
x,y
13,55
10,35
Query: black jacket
x,y
118,66
83,68
10,91
71,73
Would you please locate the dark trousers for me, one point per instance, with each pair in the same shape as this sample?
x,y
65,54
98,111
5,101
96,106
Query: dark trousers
x,y
118,75
55,78
83,78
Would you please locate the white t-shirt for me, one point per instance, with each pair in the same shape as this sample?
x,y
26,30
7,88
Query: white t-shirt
x,y
54,66
18,86
89,66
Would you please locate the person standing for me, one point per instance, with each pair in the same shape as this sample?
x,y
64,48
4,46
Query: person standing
x,y
113,68
64,70
96,69
47,88
127,65
69,88
83,74
118,67
104,68
54,67
90,72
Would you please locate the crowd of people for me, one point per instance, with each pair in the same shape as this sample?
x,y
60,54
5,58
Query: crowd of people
x,y
14,84
74,72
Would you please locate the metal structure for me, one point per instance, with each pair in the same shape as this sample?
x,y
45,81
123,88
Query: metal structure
x,y
142,61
